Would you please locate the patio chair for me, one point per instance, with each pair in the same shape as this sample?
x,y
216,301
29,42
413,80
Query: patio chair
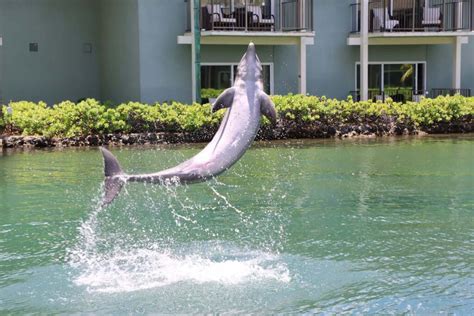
x,y
261,21
218,18
382,20
431,17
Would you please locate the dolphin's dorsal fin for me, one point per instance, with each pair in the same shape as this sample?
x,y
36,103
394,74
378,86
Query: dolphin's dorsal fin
x,y
267,108
224,100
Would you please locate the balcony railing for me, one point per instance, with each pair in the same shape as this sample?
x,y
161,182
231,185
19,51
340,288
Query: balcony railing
x,y
414,16
403,95
274,16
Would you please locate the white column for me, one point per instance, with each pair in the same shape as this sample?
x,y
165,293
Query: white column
x,y
302,66
193,51
457,63
364,50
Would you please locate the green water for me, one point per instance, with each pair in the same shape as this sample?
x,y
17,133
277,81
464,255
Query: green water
x,y
381,226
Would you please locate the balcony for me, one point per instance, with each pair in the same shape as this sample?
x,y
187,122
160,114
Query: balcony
x,y
254,16
434,17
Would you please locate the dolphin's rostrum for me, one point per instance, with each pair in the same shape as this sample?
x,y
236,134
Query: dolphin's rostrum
x,y
246,102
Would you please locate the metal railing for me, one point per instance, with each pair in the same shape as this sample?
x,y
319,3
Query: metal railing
x,y
397,95
404,95
413,16
445,92
274,16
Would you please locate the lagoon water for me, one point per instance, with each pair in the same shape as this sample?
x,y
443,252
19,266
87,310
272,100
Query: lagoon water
x,y
377,226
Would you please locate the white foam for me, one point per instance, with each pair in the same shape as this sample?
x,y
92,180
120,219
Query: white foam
x,y
144,269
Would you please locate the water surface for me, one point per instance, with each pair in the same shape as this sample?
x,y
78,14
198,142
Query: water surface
x,y
358,226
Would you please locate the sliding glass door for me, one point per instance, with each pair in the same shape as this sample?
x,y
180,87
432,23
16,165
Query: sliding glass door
x,y
398,80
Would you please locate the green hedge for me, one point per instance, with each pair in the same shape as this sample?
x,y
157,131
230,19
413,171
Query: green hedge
x,y
90,117
210,93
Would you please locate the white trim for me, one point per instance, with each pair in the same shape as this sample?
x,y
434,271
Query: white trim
x,y
382,63
302,71
232,64
409,38
457,60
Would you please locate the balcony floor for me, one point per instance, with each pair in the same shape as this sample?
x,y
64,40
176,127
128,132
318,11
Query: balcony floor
x,y
243,38
410,38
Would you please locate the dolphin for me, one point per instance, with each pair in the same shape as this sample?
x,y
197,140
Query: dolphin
x,y
245,102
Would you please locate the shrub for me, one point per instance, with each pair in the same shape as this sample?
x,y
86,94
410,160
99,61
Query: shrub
x,y
90,117
210,93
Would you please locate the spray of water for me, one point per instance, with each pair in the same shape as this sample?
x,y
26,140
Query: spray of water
x,y
140,243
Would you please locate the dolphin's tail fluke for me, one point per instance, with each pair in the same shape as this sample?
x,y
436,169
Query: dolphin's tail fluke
x,y
113,182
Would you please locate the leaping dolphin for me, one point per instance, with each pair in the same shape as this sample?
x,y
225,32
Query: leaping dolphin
x,y
246,102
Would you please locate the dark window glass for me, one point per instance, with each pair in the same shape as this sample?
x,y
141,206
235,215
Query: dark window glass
x,y
215,77
421,77
375,77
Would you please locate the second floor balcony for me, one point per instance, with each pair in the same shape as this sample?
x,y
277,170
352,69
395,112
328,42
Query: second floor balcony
x,y
416,16
273,16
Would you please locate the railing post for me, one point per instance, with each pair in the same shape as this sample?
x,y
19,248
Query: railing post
x,y
384,15
471,21
281,15
472,16
444,15
413,17
246,16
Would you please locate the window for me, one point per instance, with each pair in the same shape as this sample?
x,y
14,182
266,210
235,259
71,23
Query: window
x,y
221,76
395,76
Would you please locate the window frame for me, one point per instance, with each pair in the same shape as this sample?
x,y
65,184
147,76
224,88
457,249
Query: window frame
x,y
383,63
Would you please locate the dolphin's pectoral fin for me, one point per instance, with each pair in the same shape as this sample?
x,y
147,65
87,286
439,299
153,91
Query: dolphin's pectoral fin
x,y
267,108
224,100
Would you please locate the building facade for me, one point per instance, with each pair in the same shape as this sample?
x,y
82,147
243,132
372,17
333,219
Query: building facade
x,y
145,50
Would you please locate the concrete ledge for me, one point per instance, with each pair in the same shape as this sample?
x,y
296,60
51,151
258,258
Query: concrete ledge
x,y
397,38
243,38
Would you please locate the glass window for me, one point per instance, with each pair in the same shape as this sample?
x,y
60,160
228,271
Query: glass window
x,y
395,76
216,77
222,77
399,76
375,77
420,77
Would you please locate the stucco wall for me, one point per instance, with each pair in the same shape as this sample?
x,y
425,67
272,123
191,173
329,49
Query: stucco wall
x,y
467,69
60,70
135,55
119,58
165,66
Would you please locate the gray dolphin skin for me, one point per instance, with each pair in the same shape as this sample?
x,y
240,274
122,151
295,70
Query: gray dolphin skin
x,y
246,102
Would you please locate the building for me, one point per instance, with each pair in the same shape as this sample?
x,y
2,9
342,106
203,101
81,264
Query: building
x,y
143,50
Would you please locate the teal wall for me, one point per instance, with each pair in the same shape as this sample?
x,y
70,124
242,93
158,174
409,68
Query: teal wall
x,y
59,70
119,50
467,71
286,69
440,65
165,66
233,53
331,60
135,55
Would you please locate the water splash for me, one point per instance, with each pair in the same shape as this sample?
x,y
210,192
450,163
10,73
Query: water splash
x,y
118,250
140,269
